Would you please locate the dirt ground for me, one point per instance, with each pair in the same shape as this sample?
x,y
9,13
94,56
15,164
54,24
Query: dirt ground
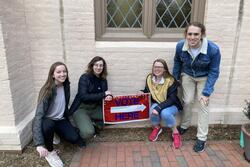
x,y
30,157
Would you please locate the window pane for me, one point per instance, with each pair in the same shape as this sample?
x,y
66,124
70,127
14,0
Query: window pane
x,y
124,13
173,13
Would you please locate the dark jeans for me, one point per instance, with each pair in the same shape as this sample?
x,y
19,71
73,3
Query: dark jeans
x,y
63,129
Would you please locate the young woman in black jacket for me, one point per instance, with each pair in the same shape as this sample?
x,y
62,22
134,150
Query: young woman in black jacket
x,y
165,104
87,105
52,115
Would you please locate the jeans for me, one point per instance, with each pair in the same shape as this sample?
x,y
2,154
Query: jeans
x,y
190,85
63,129
167,115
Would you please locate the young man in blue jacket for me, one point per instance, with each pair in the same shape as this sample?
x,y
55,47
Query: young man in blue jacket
x,y
196,65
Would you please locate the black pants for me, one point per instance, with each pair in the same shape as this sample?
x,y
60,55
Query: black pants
x,y
64,130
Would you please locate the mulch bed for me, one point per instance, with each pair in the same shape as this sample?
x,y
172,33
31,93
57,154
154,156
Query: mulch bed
x,y
30,157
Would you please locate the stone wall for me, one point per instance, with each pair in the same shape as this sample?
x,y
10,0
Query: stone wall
x,y
17,86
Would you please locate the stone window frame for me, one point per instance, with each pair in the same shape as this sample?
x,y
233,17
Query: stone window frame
x,y
148,32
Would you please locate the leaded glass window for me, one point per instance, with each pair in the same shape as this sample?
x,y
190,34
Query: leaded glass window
x,y
124,13
145,20
173,13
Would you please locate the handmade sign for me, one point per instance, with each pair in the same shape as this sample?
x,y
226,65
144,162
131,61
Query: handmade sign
x,y
127,108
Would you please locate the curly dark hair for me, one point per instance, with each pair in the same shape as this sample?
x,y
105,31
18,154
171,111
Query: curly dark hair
x,y
90,70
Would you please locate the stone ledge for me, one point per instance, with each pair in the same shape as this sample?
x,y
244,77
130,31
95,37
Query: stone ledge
x,y
15,138
142,124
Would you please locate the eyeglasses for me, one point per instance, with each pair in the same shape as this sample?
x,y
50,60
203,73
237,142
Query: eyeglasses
x,y
98,65
158,67
194,34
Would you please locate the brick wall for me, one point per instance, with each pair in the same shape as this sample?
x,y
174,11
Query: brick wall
x,y
37,33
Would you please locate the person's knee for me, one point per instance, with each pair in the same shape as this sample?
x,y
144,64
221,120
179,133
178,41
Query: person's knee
x,y
166,116
188,98
188,101
87,133
73,138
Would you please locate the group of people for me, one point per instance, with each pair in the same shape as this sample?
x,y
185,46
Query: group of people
x,y
196,69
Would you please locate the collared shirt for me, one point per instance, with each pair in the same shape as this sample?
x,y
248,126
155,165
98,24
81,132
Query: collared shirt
x,y
202,49
161,81
205,64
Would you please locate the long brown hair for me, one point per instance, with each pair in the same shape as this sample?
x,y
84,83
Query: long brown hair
x,y
46,89
90,70
166,73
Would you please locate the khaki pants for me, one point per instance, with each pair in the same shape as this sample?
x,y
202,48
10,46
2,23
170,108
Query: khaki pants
x,y
84,116
191,86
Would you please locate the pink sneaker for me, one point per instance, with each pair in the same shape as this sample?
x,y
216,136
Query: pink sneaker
x,y
177,140
155,133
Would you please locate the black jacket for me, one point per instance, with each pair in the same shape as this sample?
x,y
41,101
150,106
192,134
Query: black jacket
x,y
172,98
42,109
91,90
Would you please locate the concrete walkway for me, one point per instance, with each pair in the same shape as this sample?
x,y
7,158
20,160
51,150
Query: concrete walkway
x,y
159,154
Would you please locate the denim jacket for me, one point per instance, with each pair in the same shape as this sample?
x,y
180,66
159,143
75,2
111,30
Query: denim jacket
x,y
205,64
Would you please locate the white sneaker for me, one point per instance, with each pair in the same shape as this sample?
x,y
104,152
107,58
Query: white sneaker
x,y
54,160
56,139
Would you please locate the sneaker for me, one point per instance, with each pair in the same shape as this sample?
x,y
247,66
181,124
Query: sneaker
x,y
199,146
56,139
54,160
176,140
155,133
181,130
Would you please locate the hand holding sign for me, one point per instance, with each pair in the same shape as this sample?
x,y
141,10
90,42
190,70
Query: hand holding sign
x,y
155,112
108,96
140,92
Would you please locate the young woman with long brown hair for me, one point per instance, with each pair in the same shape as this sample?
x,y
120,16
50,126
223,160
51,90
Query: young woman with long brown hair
x,y
52,115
